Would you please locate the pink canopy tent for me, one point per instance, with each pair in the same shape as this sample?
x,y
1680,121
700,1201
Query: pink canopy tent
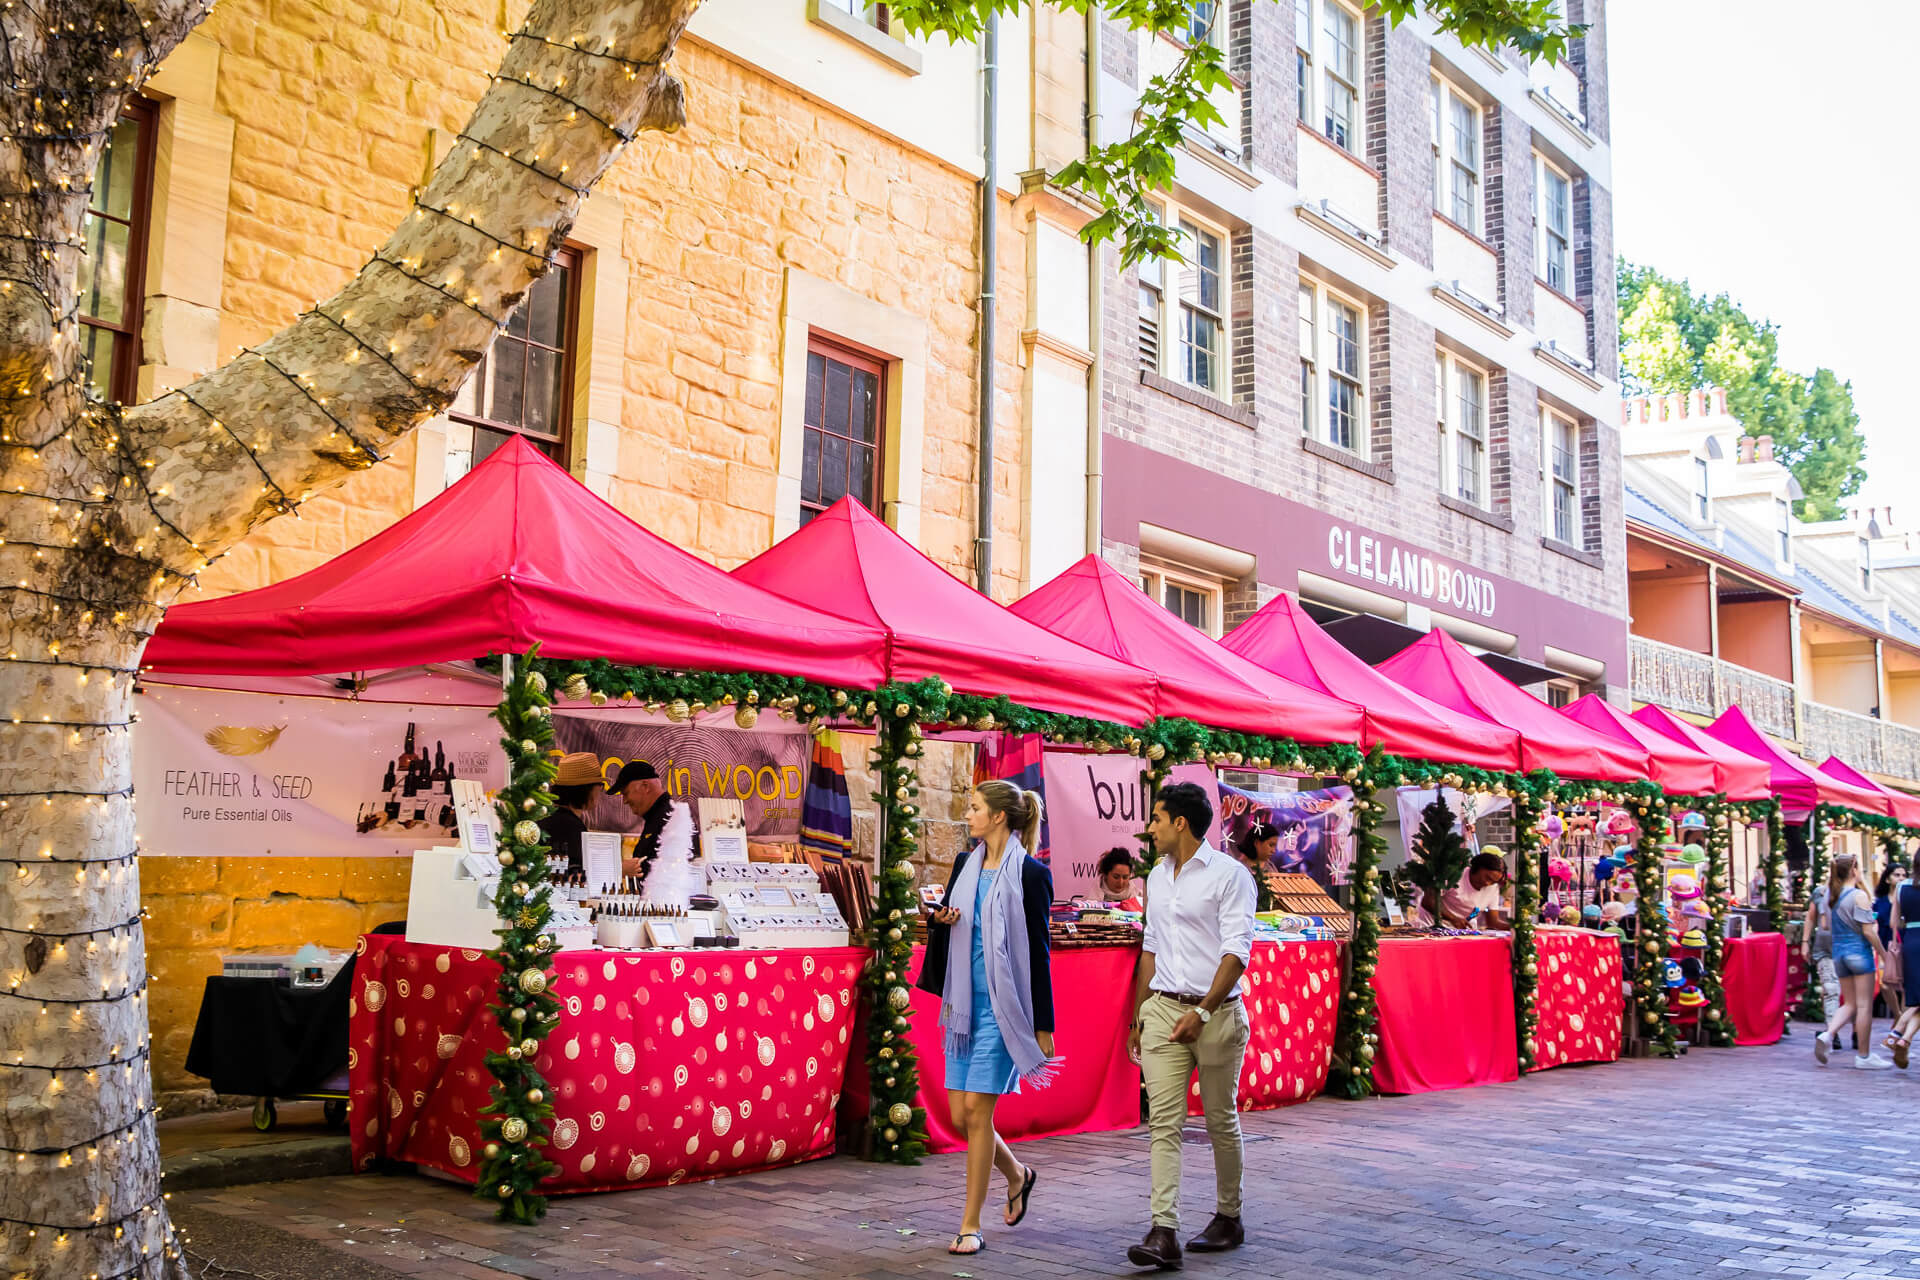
x,y
1678,768
1092,604
1437,666
1799,784
1906,807
518,551
1281,638
1741,776
848,562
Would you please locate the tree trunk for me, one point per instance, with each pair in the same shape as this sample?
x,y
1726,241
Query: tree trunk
x,y
107,513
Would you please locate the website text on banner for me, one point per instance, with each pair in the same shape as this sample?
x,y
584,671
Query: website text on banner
x,y
220,772
767,770
1096,803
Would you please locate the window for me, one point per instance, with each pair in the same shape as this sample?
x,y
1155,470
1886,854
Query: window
x,y
1303,57
1202,17
1199,354
1563,477
1555,216
1702,496
523,385
1333,344
1561,693
1188,594
1866,566
1461,393
1783,527
1340,108
873,15
1456,156
112,274
842,425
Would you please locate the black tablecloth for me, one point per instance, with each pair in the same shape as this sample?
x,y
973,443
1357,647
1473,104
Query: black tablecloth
x,y
265,1038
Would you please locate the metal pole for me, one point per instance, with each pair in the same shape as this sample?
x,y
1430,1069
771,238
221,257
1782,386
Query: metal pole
x,y
989,219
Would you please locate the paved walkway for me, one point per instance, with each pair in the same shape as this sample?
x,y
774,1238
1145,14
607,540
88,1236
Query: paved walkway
x,y
1727,1161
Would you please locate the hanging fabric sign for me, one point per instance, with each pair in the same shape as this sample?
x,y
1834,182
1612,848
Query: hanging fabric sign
x,y
1315,828
1096,803
764,769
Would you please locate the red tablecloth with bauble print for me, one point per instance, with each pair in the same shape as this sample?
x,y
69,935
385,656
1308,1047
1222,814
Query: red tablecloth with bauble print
x,y
1758,987
1292,994
665,1066
1446,1014
1097,1087
1580,1001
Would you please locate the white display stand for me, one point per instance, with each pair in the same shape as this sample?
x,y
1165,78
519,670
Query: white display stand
x,y
447,906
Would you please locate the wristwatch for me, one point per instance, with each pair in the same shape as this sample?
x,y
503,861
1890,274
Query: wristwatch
x,y
1206,1015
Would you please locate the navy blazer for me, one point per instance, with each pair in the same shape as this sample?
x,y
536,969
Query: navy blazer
x,y
1036,891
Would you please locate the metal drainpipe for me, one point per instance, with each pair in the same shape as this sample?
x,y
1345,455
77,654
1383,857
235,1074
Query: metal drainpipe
x,y
1096,303
989,219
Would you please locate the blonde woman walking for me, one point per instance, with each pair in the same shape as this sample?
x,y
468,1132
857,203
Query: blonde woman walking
x,y
1856,945
996,992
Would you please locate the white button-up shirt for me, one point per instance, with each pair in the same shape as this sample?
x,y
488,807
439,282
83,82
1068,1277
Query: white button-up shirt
x,y
1196,918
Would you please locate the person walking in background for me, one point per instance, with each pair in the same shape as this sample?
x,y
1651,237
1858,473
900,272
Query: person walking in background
x,y
1816,949
1188,1014
1856,944
1904,924
1893,982
996,995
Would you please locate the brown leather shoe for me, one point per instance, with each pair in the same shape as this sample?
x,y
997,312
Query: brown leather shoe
x,y
1222,1233
1160,1249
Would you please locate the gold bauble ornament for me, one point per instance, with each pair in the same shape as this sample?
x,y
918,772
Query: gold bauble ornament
x,y
537,681
901,711
526,831
513,1129
533,981
519,1015
536,1097
985,720
576,687
900,1113
506,857
746,716
491,1150
678,710
529,1047
890,1135
513,1051
889,1082
529,746
897,999
504,1191
886,1053
597,698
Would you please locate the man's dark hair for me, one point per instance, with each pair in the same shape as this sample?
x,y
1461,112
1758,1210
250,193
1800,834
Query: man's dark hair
x,y
1488,862
1114,857
1187,800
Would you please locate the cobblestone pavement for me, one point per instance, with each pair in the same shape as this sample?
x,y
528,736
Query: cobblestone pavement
x,y
1748,1160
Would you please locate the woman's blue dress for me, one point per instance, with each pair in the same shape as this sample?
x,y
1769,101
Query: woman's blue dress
x,y
989,1068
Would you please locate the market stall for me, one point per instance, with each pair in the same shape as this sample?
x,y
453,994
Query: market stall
x,y
1446,1014
1757,987
665,1067
1581,999
1292,999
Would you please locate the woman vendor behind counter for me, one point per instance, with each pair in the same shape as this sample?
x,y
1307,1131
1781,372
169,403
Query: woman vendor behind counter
x,y
577,778
1477,898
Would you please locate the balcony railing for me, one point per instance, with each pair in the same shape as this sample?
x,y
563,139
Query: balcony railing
x,y
1683,680
1865,742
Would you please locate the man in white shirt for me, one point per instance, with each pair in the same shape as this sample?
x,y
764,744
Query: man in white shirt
x,y
1477,897
1188,1014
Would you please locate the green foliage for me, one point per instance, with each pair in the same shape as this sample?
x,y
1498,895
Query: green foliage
x,y
1651,934
1714,965
1358,1037
1812,1007
517,1122
1443,852
896,1126
1673,339
1768,811
1527,812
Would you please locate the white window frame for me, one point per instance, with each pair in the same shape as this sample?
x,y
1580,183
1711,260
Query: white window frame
x,y
1866,566
1450,382
1215,33
1320,375
1455,166
1164,330
1783,518
1569,691
1556,483
1550,240
1156,575
1319,74
1702,490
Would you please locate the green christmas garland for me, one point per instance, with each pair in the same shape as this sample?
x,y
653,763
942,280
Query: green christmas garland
x,y
896,1126
1651,934
1719,1026
1768,811
1812,1006
1527,813
517,1122
1358,1025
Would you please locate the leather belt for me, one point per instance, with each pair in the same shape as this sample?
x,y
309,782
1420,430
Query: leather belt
x,y
1182,997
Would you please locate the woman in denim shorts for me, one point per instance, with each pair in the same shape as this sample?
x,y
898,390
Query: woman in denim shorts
x,y
1856,944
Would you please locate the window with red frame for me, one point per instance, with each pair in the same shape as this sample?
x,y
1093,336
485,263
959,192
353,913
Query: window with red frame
x,y
113,271
524,384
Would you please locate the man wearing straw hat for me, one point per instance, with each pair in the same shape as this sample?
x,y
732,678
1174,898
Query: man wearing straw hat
x,y
578,777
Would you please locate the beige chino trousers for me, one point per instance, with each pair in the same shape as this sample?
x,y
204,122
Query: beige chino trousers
x,y
1166,1068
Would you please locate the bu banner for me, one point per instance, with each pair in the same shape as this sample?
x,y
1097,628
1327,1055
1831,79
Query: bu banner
x,y
224,773
1097,802
765,769
1316,828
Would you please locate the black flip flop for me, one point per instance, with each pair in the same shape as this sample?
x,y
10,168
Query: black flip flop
x,y
958,1252
1026,1195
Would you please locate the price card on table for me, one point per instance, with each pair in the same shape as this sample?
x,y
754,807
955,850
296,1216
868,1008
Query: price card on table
x,y
773,896
600,858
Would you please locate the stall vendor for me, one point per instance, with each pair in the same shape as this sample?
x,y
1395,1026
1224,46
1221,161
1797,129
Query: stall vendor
x,y
1117,884
1256,850
665,849
1477,898
575,780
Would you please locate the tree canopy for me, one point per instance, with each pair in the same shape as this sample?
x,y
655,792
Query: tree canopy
x,y
1674,339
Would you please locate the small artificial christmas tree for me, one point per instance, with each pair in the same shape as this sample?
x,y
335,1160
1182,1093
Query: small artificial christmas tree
x,y
1441,853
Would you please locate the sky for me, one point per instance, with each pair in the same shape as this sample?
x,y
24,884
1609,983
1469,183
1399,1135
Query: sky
x,y
1767,153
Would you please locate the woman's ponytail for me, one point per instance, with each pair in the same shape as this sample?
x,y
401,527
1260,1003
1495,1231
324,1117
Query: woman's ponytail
x,y
1030,826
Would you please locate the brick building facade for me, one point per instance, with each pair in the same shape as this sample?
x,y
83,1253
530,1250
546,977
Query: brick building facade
x,y
1401,376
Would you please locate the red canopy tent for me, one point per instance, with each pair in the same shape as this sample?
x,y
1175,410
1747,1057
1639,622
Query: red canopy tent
x,y
848,562
1799,784
1092,604
1283,639
1741,776
1437,666
518,551
1905,807
1678,768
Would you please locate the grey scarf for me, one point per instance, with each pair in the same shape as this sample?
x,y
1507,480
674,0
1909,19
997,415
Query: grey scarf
x,y
1003,936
